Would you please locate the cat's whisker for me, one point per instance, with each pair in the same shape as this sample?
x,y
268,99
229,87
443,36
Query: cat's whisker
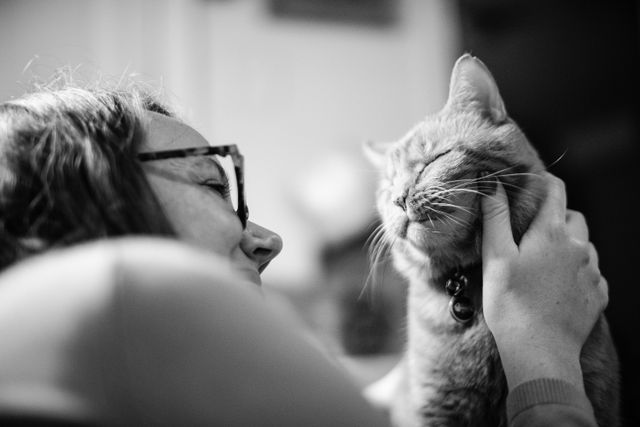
x,y
431,221
455,219
375,236
556,161
486,187
380,247
448,216
524,190
450,219
378,261
456,206
464,190
457,183
376,253
497,174
437,212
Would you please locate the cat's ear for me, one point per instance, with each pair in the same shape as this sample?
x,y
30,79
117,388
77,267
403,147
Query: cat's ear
x,y
472,84
376,151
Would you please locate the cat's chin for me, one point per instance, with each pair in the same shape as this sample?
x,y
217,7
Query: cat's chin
x,y
450,247
429,236
428,242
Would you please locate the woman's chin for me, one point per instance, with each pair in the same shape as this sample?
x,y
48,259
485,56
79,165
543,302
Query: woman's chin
x,y
251,275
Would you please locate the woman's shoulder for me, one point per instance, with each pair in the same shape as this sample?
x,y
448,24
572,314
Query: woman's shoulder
x,y
92,269
158,265
95,283
170,337
76,324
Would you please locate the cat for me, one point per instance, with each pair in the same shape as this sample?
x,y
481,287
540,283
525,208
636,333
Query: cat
x,y
451,373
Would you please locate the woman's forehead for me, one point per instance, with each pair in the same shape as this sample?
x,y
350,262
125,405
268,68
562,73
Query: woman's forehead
x,y
168,133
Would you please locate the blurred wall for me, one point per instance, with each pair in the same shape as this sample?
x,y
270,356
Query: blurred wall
x,y
164,43
302,95
299,95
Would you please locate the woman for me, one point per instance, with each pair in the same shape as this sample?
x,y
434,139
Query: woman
x,y
149,331
72,174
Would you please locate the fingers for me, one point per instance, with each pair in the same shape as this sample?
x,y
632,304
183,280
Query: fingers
x,y
603,286
593,255
598,281
577,225
554,207
497,236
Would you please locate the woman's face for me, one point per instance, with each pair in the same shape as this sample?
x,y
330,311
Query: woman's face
x,y
191,192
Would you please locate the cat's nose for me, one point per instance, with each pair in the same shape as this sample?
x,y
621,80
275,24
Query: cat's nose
x,y
402,202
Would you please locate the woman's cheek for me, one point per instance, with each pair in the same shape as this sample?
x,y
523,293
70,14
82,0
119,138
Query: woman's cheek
x,y
225,231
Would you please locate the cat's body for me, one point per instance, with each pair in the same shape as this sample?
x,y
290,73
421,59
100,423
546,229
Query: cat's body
x,y
429,203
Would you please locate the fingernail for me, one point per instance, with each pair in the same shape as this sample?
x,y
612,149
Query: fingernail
x,y
489,183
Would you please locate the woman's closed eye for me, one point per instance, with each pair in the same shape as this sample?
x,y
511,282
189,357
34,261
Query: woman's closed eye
x,y
221,188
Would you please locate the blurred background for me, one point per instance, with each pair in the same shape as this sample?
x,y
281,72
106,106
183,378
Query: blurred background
x,y
300,84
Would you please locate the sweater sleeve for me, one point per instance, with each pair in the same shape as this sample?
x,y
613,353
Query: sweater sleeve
x,y
202,348
549,402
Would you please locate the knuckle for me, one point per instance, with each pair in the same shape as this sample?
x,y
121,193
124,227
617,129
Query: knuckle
x,y
557,231
577,219
556,182
578,247
596,278
603,286
605,301
576,225
576,215
593,254
582,252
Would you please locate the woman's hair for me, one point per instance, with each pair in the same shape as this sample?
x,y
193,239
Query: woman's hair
x,y
69,171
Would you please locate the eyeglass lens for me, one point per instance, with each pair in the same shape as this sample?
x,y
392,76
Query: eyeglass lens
x,y
226,162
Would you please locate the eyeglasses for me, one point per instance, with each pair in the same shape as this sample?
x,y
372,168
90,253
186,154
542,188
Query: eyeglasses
x,y
228,157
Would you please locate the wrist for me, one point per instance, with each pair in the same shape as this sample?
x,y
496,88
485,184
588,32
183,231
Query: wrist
x,y
524,362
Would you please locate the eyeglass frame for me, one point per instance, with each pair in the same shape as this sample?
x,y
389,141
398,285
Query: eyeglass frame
x,y
220,150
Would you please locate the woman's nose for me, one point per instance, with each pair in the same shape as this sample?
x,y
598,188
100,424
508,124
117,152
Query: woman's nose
x,y
260,244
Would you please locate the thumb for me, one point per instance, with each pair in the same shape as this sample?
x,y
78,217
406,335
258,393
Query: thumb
x,y
497,237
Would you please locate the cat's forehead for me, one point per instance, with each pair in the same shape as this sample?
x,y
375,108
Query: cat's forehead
x,y
446,133
426,141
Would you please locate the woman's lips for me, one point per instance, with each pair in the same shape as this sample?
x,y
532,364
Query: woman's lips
x,y
263,266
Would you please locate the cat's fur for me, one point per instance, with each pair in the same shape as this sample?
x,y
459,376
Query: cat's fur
x,y
429,204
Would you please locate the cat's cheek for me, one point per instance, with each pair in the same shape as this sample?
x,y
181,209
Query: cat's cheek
x,y
394,219
397,226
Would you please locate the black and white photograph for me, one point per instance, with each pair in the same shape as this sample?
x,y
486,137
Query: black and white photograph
x,y
307,213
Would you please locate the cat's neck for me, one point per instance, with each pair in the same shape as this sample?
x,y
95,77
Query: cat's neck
x,y
429,268
428,300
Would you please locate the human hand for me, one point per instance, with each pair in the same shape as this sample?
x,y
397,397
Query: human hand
x,y
541,298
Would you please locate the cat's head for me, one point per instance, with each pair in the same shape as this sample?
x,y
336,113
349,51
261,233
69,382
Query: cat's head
x,y
433,177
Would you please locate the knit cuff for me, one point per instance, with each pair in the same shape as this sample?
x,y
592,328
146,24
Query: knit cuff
x,y
545,391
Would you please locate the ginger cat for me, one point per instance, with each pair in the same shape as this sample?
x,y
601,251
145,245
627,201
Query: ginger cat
x,y
428,200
